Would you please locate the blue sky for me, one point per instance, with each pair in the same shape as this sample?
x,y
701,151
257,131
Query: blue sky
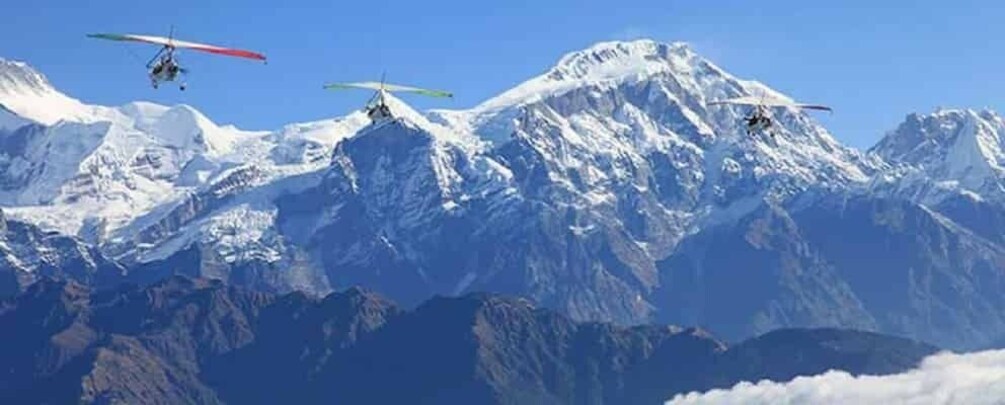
x,y
874,61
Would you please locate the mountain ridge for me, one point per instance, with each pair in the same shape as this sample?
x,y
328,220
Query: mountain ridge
x,y
581,190
197,340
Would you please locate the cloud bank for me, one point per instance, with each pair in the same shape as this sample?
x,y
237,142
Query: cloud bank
x,y
975,378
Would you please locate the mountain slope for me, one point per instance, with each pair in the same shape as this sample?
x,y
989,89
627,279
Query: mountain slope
x,y
946,153
28,94
608,162
885,265
28,253
93,171
601,188
185,340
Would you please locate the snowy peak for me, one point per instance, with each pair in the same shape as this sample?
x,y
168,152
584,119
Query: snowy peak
x,y
19,78
405,114
606,63
965,147
608,60
180,127
402,110
643,97
921,137
28,94
644,83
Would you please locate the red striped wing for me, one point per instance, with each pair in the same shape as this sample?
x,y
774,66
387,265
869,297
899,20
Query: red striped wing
x,y
219,50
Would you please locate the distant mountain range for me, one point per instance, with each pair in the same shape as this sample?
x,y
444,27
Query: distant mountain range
x,y
606,189
198,341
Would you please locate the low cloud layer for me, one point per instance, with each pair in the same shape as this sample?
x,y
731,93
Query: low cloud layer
x,y
976,378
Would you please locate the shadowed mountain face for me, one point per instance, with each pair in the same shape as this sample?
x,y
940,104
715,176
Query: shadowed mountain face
x,y
28,253
875,264
190,340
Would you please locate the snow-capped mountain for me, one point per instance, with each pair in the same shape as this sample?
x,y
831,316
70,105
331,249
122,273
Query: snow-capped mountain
x,y
92,170
946,153
29,95
647,97
624,118
598,188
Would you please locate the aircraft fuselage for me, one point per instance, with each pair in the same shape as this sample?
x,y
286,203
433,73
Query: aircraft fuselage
x,y
165,70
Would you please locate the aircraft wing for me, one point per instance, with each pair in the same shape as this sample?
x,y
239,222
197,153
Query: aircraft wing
x,y
180,44
752,101
394,88
770,102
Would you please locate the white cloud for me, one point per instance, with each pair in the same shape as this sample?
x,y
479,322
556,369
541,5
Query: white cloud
x,y
976,378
